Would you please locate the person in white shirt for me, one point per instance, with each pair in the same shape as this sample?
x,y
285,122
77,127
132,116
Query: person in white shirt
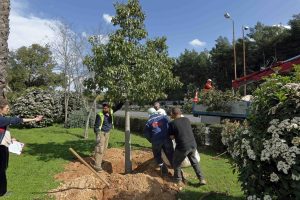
x,y
158,109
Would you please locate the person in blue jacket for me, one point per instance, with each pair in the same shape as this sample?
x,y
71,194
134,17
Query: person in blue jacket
x,y
5,140
104,122
156,132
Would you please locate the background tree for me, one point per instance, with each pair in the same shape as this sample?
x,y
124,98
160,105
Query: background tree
x,y
222,63
130,67
4,31
193,69
32,67
69,49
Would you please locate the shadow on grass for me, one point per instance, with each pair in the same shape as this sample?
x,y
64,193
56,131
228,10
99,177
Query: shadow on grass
x,y
195,195
52,150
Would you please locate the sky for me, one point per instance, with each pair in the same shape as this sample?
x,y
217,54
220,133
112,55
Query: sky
x,y
189,24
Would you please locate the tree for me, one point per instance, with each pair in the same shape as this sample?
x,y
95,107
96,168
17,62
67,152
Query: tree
x,y
222,62
32,67
4,31
130,67
69,53
193,69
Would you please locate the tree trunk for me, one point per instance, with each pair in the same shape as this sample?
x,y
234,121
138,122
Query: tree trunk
x,y
87,123
66,108
4,31
128,164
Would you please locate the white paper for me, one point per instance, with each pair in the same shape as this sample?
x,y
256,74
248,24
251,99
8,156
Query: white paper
x,y
16,147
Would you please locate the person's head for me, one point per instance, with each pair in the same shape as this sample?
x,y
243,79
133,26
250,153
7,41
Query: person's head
x,y
105,107
156,105
4,107
175,112
151,111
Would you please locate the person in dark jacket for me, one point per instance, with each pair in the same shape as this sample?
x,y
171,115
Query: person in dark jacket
x,y
103,124
156,132
5,140
180,129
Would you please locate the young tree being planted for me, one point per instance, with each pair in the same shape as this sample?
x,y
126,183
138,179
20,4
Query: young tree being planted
x,y
130,67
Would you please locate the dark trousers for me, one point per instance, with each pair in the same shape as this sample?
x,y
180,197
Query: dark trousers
x,y
179,156
4,155
168,148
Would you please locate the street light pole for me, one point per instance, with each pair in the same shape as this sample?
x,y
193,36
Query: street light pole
x,y
244,57
227,16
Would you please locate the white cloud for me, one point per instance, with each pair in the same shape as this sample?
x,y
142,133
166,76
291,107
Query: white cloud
x,y
27,29
197,43
107,18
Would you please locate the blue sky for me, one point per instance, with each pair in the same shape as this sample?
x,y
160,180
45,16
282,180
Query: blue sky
x,y
180,21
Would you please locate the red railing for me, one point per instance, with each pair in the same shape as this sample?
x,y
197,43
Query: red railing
x,y
281,67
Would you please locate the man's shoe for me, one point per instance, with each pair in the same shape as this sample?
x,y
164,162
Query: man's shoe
x,y
164,170
203,182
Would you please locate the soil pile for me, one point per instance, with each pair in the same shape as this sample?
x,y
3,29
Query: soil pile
x,y
79,183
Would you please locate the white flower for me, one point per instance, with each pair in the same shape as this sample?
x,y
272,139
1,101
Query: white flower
x,y
274,177
296,177
267,197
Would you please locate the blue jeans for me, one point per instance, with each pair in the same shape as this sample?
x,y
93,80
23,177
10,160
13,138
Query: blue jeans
x,y
168,148
179,156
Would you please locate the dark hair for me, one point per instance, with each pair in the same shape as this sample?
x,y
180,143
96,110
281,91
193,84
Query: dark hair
x,y
105,104
176,111
3,103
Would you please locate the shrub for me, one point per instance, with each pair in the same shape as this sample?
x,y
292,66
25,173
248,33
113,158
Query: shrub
x,y
77,119
199,133
266,151
215,137
37,102
216,100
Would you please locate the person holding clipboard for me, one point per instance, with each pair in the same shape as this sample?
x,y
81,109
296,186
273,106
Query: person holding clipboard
x,y
5,140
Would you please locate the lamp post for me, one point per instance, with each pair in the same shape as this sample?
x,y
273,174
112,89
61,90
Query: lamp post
x,y
227,16
244,28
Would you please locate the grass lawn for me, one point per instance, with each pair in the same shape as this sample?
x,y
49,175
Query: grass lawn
x,y
31,174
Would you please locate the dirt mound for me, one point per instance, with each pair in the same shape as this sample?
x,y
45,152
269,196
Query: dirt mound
x,y
79,183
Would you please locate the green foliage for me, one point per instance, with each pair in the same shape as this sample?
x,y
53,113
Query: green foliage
x,y
32,67
215,137
77,119
130,66
199,133
37,102
137,125
216,100
193,69
266,149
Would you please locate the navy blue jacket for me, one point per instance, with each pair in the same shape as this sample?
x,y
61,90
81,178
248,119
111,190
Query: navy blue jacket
x,y
156,129
6,121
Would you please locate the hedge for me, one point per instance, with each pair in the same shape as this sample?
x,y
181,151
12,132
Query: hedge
x,y
137,126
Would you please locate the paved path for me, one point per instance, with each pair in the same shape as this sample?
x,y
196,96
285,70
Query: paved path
x,y
205,119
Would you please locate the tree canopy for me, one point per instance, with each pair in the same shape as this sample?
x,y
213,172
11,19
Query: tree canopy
x,y
32,67
131,66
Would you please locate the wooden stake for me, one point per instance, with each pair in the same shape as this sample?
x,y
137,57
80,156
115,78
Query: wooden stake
x,y
88,166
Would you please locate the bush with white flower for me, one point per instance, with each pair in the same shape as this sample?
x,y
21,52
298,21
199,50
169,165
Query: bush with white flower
x,y
266,148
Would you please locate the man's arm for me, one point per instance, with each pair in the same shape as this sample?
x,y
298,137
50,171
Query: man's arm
x,y
171,131
97,124
147,133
